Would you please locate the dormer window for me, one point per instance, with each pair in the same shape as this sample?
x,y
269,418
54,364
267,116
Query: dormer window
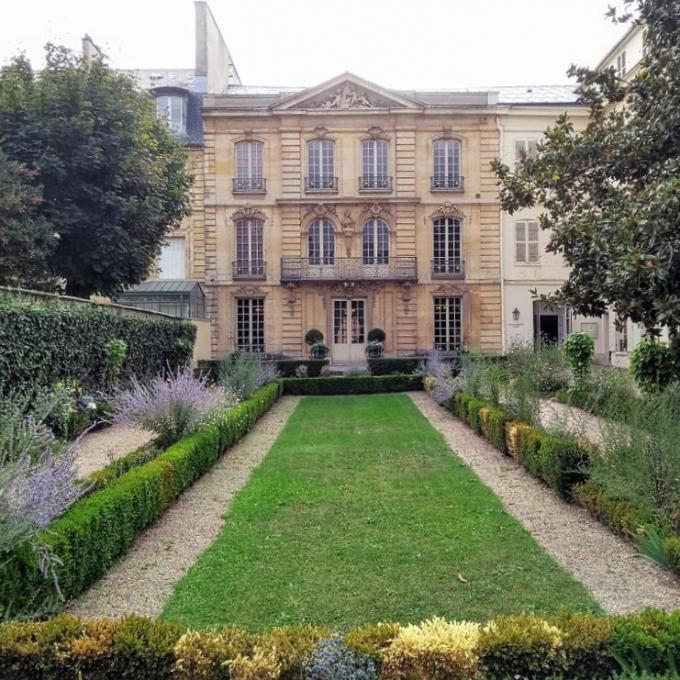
x,y
172,109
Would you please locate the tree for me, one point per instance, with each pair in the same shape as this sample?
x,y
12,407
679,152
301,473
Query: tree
x,y
113,179
611,193
26,237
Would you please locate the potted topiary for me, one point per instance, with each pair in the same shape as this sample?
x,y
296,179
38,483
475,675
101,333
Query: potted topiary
x,y
375,347
317,348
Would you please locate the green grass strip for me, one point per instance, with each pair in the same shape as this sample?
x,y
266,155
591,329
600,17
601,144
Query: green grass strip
x,y
361,513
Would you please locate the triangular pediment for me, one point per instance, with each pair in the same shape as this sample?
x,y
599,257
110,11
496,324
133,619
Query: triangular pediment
x,y
347,92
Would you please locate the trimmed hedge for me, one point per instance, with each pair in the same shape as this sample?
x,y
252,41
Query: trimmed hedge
x,y
42,343
563,463
285,367
101,527
566,645
389,365
361,384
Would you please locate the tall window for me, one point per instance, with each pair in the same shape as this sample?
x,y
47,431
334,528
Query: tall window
x,y
172,109
321,242
447,323
172,263
621,65
525,148
526,241
250,324
249,248
376,242
446,254
375,164
321,164
446,173
249,176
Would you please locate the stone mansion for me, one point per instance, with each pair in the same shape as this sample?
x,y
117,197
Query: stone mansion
x,y
348,206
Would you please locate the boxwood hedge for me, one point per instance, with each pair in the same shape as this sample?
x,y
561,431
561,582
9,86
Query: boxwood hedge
x,y
43,342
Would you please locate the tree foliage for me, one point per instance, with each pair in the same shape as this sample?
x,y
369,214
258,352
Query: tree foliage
x,y
112,179
611,192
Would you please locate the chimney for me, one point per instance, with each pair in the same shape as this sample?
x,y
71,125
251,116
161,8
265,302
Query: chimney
x,y
90,50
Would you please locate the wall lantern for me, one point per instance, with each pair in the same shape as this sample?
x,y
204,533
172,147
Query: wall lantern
x,y
515,314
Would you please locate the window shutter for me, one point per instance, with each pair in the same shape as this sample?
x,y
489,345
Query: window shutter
x,y
520,242
532,240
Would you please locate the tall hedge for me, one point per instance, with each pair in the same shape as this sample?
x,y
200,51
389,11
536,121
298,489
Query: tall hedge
x,y
41,343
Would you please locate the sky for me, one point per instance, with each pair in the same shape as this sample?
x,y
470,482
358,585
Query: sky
x,y
406,44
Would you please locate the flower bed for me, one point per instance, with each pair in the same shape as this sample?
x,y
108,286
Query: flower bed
x,y
562,462
570,646
101,527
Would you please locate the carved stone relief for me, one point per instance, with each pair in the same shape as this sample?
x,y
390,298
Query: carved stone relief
x,y
348,96
248,212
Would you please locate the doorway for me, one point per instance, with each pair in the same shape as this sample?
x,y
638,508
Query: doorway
x,y
349,331
551,324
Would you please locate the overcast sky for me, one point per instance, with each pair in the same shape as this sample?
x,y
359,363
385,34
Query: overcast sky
x,y
396,43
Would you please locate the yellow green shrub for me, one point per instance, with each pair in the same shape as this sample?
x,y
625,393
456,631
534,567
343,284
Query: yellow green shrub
x,y
205,655
529,646
262,664
433,650
373,640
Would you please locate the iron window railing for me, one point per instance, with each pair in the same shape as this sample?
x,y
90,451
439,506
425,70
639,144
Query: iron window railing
x,y
249,185
448,268
321,183
375,183
447,183
249,269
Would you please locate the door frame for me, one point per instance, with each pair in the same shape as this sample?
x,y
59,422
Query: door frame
x,y
356,351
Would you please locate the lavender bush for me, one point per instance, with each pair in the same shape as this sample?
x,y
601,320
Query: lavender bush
x,y
439,377
333,660
37,482
172,406
244,373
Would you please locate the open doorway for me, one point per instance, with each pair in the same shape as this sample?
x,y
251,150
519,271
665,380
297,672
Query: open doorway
x,y
551,324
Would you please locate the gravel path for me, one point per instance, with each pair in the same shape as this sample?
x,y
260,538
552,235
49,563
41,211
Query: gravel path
x,y
576,420
97,449
141,581
618,577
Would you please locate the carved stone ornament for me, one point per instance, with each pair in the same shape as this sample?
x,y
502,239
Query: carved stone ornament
x,y
321,211
348,96
249,291
320,131
355,288
448,290
347,223
248,212
248,133
446,209
291,295
375,132
375,211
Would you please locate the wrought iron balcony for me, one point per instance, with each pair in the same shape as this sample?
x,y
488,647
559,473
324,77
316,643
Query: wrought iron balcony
x,y
249,269
448,268
447,183
249,185
257,349
321,184
402,268
375,183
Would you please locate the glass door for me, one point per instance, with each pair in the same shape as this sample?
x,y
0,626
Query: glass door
x,y
349,331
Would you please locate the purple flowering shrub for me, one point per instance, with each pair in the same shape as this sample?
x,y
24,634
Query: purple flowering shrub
x,y
243,374
439,379
172,406
38,482
333,660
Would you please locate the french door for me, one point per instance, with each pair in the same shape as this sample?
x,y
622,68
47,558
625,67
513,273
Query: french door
x,y
349,330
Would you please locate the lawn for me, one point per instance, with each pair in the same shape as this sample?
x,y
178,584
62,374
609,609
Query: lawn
x,y
361,513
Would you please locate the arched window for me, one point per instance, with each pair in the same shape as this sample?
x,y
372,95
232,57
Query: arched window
x,y
249,175
375,164
321,165
446,164
172,109
321,242
446,241
376,242
249,249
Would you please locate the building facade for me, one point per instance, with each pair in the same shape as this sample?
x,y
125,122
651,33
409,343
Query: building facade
x,y
348,206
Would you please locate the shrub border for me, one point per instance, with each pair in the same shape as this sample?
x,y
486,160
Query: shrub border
x,y
103,525
572,645
562,462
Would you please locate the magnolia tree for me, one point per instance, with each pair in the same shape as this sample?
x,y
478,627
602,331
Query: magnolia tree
x,y
611,193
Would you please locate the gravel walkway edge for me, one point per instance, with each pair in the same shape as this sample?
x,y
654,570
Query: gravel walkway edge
x,y
142,580
618,577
